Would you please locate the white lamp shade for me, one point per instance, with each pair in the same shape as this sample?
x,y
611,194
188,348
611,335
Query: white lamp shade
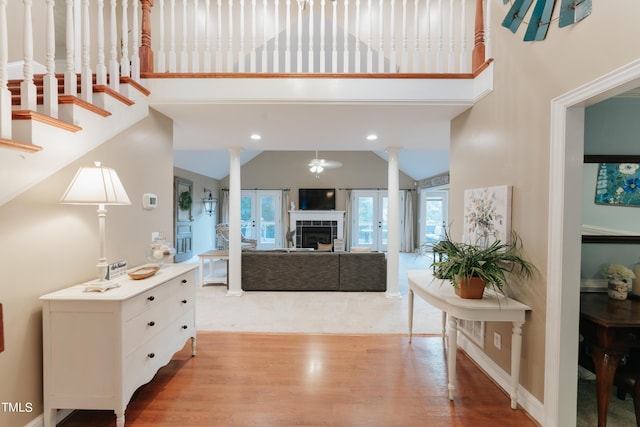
x,y
96,186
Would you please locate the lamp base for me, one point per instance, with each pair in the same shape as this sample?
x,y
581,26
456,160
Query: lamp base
x,y
100,285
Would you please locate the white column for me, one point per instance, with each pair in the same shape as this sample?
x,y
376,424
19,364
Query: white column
x,y
235,250
393,215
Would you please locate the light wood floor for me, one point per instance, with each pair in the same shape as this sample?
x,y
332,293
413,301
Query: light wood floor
x,y
263,380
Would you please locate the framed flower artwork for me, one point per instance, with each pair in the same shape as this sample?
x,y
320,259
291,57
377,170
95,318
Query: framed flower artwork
x,y
487,215
618,184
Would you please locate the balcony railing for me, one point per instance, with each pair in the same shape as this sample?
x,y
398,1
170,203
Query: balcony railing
x,y
113,39
314,36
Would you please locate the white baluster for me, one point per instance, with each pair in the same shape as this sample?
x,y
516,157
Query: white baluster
x,y
370,41
50,82
392,38
310,66
334,37
135,41
125,65
86,78
230,41
440,53
345,54
265,38
452,49
206,56
219,39
299,53
322,35
287,49
427,40
172,38
405,49
415,67
5,94
276,44
381,37
101,69
114,68
160,65
195,55
241,53
357,37
184,54
252,62
463,38
28,96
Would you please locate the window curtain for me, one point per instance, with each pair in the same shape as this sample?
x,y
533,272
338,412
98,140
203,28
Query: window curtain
x,y
407,243
285,217
347,221
224,206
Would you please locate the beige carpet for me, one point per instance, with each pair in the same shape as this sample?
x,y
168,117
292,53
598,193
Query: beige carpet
x,y
318,312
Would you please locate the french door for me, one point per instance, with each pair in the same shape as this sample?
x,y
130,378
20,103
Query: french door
x,y
370,218
261,217
433,215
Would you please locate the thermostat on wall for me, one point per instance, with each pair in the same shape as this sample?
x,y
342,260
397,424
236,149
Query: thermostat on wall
x,y
149,201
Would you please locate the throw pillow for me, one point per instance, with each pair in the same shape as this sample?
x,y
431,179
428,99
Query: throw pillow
x,y
325,247
361,249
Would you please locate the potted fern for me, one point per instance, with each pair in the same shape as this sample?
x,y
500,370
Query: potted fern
x,y
470,268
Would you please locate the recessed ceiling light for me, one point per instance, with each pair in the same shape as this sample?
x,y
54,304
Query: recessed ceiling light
x,y
256,136
372,137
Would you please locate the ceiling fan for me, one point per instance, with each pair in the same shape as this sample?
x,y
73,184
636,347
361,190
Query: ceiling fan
x,y
318,165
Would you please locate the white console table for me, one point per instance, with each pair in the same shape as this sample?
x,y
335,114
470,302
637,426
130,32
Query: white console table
x,y
493,307
98,348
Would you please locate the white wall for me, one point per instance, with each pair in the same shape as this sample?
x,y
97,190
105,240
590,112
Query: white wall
x,y
504,139
45,246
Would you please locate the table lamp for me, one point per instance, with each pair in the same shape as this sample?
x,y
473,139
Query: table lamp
x,y
99,186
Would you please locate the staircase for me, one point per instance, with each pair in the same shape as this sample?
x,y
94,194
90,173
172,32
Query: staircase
x,y
42,144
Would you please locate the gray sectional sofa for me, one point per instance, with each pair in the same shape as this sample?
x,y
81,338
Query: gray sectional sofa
x,y
313,271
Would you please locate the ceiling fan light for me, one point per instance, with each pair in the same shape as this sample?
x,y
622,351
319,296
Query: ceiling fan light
x,y
319,169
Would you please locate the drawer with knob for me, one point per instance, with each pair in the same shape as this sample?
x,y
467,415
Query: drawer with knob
x,y
154,296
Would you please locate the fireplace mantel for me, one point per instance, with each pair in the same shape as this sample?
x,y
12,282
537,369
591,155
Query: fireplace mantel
x,y
316,216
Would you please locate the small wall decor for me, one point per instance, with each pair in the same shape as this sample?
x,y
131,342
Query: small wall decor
x,y
618,184
487,215
571,12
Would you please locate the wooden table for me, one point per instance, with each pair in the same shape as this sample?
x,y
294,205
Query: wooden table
x,y
212,256
610,328
493,307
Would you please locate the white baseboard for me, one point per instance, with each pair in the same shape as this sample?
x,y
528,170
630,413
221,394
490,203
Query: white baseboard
x,y
525,399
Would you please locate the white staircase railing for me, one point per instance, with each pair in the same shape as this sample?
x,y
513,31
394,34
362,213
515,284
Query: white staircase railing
x,y
60,57
233,36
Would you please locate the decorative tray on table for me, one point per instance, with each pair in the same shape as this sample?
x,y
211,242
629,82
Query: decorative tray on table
x,y
143,272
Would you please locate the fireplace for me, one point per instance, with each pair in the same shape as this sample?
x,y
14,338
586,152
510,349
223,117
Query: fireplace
x,y
311,236
312,227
